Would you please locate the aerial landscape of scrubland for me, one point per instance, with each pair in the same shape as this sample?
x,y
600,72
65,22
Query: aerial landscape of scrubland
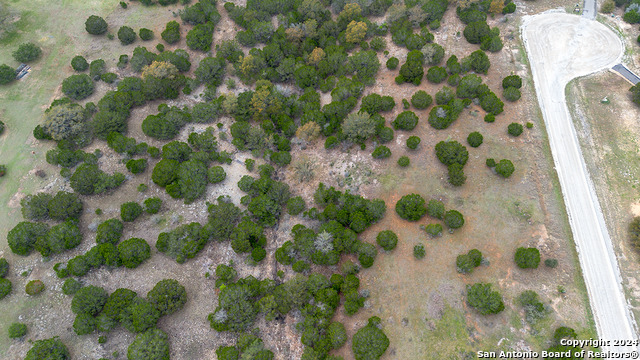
x,y
313,179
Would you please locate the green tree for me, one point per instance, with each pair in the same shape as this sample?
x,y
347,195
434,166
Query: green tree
x,y
381,152
79,63
5,288
479,62
95,25
211,71
65,205
136,166
152,344
133,252
17,330
48,349
534,309
413,142
527,258
27,52
7,74
110,231
475,139
464,264
411,207
64,121
165,172
89,300
511,94
145,34
168,296
78,87
406,120
436,74
483,299
456,175
126,35
200,37
152,205
59,238
515,129
369,343
512,81
4,267
358,127
387,240
171,33
192,180
23,237
84,324
475,31
453,219
421,100
139,316
36,207
130,211
451,152
216,174
505,168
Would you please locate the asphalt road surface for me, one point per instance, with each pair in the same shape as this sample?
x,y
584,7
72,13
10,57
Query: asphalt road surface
x,y
626,73
561,47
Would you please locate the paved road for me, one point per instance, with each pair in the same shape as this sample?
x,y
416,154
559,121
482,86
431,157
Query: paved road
x,y
561,47
626,73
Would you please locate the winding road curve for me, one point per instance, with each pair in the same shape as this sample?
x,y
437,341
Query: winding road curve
x,y
562,47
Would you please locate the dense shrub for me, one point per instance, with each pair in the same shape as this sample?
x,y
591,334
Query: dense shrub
x,y
5,288
392,63
17,330
404,161
436,74
413,142
145,34
171,33
475,139
381,152
387,240
505,168
126,35
411,207
110,231
369,343
434,230
511,94
421,100
456,175
48,349
514,81
451,152
79,63
453,219
534,309
152,205
27,52
23,237
216,174
78,87
406,120
419,252
34,287
200,37
133,252
130,211
168,296
137,166
436,209
527,258
515,129
152,344
71,286
483,299
89,300
4,267
95,25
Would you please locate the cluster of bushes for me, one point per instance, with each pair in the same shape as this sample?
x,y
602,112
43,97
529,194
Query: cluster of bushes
x,y
68,158
52,348
317,297
266,197
186,241
413,207
95,309
247,345
511,87
27,236
465,263
454,155
534,309
43,206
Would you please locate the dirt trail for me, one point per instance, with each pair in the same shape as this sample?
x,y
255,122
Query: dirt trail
x,y
561,47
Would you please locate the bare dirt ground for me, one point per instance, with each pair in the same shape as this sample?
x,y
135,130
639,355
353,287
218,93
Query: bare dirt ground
x,y
421,302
